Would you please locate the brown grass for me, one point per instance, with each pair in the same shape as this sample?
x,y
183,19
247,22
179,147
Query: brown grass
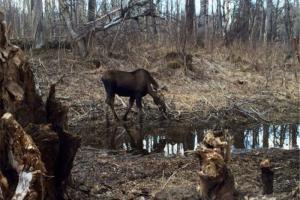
x,y
218,79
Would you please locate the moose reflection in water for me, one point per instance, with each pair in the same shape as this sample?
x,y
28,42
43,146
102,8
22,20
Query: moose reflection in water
x,y
174,140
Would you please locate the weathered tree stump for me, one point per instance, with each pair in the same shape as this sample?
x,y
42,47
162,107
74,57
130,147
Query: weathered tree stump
x,y
216,179
267,176
36,151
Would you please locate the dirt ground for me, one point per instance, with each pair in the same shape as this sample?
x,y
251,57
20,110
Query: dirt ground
x,y
99,174
225,86
222,82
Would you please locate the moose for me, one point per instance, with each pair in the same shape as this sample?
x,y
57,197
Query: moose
x,y
135,85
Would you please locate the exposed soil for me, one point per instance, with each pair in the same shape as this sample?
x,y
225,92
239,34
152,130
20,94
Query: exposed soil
x,y
100,174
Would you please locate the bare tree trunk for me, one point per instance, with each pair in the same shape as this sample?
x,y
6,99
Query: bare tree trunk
x,y
38,34
266,136
282,135
254,34
91,10
81,43
288,27
203,21
190,14
153,9
293,135
255,139
239,138
219,17
268,23
275,21
80,12
104,7
262,23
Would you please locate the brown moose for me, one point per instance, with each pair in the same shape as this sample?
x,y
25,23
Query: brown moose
x,y
135,85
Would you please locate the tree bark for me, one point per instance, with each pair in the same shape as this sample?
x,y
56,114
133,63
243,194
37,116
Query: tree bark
x,y
288,27
81,43
245,16
219,17
153,18
190,14
266,135
34,143
269,21
293,132
203,21
38,34
91,10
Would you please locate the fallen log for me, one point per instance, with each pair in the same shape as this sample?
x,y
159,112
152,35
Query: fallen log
x,y
27,44
36,151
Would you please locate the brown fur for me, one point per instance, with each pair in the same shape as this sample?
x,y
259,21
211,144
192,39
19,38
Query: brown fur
x,y
135,84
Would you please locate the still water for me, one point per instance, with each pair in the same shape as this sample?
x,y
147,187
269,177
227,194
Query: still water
x,y
178,139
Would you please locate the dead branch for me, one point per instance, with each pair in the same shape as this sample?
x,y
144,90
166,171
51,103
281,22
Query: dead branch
x,y
133,10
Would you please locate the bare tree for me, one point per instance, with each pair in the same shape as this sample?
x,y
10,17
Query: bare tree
x,y
203,21
190,14
219,19
288,27
266,135
91,10
64,8
153,11
38,23
269,21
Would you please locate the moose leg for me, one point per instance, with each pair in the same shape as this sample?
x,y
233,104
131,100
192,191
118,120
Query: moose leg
x,y
139,106
131,102
110,101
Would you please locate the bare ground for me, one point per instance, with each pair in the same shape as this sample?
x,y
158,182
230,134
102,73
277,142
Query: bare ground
x,y
243,83
109,175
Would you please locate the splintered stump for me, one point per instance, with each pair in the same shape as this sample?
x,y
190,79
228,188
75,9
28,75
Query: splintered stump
x,y
216,179
23,159
36,151
267,176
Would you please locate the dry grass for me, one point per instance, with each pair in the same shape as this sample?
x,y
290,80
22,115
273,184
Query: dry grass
x,y
217,80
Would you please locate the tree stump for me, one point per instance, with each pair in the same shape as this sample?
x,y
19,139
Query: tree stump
x,y
36,151
216,179
267,176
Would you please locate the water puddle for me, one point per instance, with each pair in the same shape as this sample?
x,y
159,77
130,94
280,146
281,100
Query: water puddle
x,y
177,139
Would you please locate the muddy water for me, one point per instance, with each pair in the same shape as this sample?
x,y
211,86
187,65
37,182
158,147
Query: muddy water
x,y
177,138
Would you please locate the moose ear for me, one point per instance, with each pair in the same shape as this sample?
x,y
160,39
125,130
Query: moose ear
x,y
153,88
